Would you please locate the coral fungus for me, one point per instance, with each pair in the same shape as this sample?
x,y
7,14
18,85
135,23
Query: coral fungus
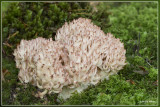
x,y
82,55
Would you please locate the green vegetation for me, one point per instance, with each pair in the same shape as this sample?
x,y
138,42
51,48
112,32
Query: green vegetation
x,y
134,23
32,20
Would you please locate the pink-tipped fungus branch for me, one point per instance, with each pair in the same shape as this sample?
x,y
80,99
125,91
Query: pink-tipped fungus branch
x,y
82,55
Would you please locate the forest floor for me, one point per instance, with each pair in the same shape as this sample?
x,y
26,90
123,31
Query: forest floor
x,y
137,84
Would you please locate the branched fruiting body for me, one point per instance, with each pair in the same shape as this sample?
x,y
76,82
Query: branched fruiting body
x,y
82,55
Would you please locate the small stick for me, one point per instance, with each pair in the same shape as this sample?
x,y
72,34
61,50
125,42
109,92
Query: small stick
x,y
14,34
7,45
148,62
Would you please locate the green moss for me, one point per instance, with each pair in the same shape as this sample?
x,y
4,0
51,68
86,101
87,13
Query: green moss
x,y
102,99
33,19
153,73
136,26
134,23
115,91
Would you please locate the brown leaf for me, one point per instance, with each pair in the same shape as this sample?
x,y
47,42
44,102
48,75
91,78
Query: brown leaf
x,y
143,71
142,68
4,73
130,81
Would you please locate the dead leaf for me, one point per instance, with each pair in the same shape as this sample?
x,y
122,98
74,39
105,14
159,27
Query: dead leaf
x,y
142,68
4,73
130,81
141,72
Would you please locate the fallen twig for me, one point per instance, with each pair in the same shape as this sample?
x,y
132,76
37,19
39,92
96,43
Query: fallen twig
x,y
7,44
14,34
148,62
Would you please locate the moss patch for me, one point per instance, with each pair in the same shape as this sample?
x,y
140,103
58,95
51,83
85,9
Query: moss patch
x,y
134,23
